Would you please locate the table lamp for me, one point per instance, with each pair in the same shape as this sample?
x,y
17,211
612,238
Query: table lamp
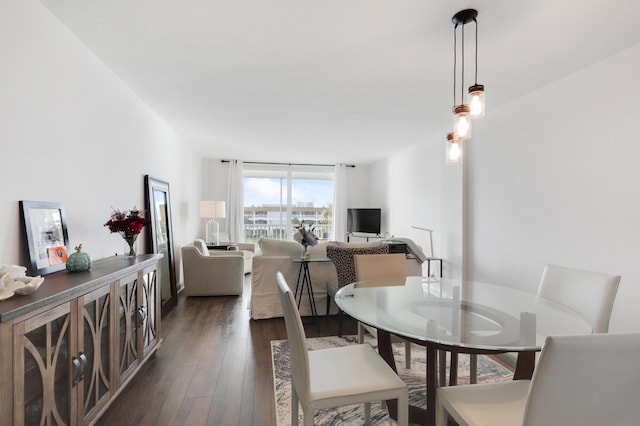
x,y
213,210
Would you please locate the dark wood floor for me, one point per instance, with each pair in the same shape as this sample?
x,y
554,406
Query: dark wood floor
x,y
213,368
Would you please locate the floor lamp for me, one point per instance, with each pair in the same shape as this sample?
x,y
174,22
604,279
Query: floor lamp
x,y
212,210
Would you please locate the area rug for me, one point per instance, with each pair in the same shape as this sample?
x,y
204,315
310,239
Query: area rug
x,y
488,371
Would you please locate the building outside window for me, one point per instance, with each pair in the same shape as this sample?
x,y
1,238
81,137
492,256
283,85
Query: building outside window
x,y
278,199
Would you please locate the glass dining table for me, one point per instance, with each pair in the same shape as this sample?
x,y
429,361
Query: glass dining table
x,y
459,317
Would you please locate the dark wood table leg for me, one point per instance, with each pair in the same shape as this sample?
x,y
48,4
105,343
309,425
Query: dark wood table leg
x,y
453,368
432,384
417,415
524,366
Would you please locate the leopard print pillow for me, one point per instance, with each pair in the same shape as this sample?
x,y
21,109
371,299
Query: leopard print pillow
x,y
342,258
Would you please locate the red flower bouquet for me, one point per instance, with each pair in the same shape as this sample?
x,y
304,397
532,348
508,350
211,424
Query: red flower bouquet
x,y
129,224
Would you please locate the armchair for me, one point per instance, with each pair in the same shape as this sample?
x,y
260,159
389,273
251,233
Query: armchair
x,y
205,275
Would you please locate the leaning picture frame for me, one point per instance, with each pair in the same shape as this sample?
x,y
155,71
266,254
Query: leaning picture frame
x,y
45,229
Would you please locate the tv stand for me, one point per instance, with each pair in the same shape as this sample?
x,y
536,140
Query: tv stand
x,y
366,236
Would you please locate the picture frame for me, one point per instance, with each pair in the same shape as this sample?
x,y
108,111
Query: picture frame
x,y
160,238
45,229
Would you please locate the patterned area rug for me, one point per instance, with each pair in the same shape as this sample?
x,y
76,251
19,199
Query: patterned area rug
x,y
488,371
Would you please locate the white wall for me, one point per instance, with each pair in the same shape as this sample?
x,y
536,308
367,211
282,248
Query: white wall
x,y
553,178
550,177
72,132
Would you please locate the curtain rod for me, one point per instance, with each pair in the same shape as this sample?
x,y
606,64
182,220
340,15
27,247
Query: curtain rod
x,y
288,164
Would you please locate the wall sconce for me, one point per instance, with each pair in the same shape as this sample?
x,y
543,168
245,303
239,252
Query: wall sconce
x,y
212,210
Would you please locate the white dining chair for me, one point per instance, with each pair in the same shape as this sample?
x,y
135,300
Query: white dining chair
x,y
374,266
586,380
592,294
336,377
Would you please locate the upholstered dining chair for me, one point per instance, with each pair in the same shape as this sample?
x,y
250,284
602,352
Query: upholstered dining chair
x,y
585,380
336,377
342,258
372,266
590,293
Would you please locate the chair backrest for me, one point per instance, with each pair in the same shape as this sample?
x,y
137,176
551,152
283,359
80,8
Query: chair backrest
x,y
297,340
372,266
590,293
342,258
588,380
201,246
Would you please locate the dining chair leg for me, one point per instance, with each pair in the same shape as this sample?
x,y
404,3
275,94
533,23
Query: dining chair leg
x,y
360,333
294,406
328,304
367,413
403,409
442,370
407,355
453,369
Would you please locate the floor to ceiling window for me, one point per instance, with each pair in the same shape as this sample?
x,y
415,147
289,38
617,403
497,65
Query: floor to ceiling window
x,y
278,198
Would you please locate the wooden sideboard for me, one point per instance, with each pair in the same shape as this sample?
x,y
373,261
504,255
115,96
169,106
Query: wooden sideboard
x,y
69,348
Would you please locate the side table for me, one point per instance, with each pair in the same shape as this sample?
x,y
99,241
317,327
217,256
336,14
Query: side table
x,y
223,246
304,281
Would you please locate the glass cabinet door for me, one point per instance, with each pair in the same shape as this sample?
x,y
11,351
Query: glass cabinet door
x,y
149,310
47,373
94,342
128,355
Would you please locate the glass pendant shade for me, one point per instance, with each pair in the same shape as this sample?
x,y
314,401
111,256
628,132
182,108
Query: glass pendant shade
x,y
454,150
476,101
462,122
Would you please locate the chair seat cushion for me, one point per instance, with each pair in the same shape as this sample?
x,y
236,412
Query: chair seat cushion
x,y
354,370
504,402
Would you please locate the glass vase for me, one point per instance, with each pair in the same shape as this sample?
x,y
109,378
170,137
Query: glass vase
x,y
132,245
305,252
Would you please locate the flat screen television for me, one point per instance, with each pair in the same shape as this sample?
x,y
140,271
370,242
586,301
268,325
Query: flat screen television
x,y
363,220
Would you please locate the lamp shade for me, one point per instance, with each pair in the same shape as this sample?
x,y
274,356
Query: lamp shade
x,y
213,209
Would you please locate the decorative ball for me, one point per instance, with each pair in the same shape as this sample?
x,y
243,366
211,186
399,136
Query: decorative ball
x,y
79,261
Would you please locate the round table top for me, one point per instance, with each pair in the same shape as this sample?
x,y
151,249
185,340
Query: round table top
x,y
460,314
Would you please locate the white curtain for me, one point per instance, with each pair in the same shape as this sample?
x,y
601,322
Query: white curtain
x,y
340,202
236,202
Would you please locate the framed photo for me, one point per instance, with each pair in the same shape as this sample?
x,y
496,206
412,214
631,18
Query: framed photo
x,y
45,228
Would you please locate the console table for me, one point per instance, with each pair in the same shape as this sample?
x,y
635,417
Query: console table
x,y
71,347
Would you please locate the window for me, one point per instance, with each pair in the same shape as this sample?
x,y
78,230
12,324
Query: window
x,y
277,199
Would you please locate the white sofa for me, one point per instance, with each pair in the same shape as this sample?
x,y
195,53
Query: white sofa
x,y
275,255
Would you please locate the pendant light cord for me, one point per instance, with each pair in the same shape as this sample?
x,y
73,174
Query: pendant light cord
x,y
462,74
476,76
455,62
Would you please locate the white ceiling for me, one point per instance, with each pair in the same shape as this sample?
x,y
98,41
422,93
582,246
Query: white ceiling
x,y
335,80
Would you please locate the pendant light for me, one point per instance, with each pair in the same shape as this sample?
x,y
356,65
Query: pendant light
x,y
475,108
476,92
454,149
461,119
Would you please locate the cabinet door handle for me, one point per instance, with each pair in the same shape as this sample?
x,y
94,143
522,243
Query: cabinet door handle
x,y
85,361
78,367
142,314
